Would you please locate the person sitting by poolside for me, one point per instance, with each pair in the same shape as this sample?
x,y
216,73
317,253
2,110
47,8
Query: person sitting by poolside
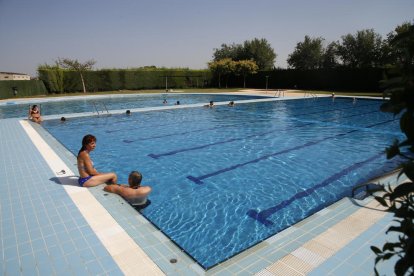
x,y
34,114
135,194
231,104
88,175
211,104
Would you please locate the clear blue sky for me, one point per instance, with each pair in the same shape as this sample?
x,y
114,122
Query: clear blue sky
x,y
176,33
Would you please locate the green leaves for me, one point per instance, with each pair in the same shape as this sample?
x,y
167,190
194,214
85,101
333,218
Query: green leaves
x,y
393,151
399,85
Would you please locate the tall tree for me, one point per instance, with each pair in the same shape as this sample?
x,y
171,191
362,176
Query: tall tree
x,y
330,56
245,68
74,64
261,52
307,54
232,51
391,54
258,50
361,50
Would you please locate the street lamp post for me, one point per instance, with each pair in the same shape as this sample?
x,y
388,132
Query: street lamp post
x,y
267,79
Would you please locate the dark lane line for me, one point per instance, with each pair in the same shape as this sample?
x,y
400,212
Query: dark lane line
x,y
198,180
156,156
262,216
198,130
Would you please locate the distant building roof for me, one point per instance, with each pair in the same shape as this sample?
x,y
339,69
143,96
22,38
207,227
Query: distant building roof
x,y
12,73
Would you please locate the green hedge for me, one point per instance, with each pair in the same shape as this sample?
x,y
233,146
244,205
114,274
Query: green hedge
x,y
24,88
337,79
130,79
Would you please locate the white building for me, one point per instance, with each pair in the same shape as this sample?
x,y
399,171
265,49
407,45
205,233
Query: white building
x,y
13,76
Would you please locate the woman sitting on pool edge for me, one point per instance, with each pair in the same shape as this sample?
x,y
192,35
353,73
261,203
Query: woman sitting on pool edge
x,y
88,175
135,194
34,114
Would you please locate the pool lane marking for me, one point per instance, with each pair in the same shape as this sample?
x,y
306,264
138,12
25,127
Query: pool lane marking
x,y
198,179
262,216
125,252
156,156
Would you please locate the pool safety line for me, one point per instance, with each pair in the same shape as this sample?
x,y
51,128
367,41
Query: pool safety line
x,y
262,216
306,123
198,179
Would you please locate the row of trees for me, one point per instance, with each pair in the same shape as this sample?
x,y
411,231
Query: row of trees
x,y
365,49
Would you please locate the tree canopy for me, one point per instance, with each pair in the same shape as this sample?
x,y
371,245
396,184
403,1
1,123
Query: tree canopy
x,y
245,68
258,50
223,67
307,54
361,50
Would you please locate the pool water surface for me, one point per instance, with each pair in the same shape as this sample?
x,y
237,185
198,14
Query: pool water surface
x,y
226,178
100,104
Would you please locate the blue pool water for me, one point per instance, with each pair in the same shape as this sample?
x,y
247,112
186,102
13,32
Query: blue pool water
x,y
52,106
227,178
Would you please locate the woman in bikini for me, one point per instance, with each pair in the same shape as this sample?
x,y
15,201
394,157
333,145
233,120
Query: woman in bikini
x,y
88,175
34,114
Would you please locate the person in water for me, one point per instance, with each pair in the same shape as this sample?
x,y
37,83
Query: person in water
x,y
135,193
210,104
34,114
88,175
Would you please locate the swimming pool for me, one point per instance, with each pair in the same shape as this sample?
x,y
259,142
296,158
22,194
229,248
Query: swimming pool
x,y
226,178
55,106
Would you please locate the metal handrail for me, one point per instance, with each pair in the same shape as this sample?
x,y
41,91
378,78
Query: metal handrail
x,y
279,93
313,95
94,104
105,108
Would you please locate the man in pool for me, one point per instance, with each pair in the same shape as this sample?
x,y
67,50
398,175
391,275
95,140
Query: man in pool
x,y
210,105
135,193
88,175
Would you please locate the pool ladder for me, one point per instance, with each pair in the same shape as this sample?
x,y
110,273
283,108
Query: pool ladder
x,y
279,93
310,94
97,110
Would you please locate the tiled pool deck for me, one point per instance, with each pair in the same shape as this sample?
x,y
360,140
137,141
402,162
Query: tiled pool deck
x,y
49,226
